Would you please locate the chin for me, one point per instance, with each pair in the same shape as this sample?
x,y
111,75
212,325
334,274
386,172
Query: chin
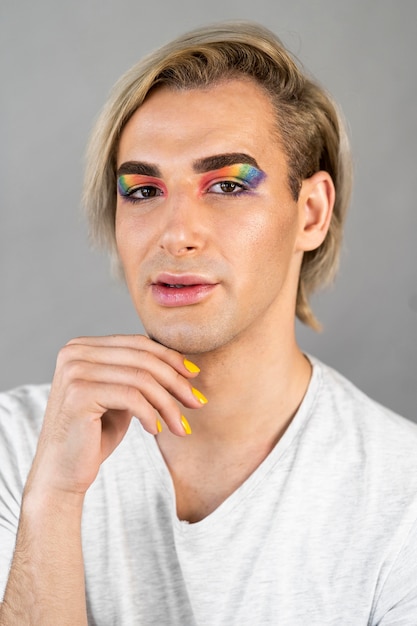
x,y
190,341
185,345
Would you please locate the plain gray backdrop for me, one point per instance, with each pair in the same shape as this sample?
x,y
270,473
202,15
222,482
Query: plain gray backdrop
x,y
58,63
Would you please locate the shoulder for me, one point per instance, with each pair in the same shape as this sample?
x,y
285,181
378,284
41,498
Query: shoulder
x,y
350,408
375,444
24,404
21,415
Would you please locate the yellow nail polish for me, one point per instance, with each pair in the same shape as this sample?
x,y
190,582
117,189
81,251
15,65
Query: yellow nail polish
x,y
199,396
159,426
191,367
186,425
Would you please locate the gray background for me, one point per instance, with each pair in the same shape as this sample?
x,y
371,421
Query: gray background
x,y
58,62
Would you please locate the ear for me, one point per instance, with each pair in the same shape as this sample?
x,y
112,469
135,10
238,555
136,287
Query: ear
x,y
315,206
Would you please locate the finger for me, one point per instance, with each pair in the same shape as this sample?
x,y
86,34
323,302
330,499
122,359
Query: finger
x,y
139,343
88,401
114,427
128,367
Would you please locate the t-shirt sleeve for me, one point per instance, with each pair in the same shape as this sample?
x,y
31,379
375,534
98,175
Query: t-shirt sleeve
x,y
21,414
397,603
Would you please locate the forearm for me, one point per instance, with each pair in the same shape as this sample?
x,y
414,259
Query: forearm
x,y
99,384
46,583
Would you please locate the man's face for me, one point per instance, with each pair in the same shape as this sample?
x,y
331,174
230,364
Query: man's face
x,y
206,227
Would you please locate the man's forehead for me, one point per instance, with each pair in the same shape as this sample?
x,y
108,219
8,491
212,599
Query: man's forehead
x,y
206,129
238,97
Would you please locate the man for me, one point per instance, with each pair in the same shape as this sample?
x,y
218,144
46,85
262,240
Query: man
x,y
254,485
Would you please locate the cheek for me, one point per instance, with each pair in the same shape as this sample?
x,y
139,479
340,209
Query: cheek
x,y
130,238
122,242
269,235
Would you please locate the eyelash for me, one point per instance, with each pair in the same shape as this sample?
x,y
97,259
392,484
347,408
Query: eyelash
x,y
242,188
128,194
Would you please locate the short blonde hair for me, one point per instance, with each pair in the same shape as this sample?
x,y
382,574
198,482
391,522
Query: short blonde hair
x,y
309,126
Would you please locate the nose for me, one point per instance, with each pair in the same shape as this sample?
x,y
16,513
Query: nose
x,y
182,230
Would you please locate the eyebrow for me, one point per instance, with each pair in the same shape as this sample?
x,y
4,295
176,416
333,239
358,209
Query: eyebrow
x,y
139,167
201,166
219,161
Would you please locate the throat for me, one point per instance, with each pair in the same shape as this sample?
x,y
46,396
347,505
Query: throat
x,y
204,479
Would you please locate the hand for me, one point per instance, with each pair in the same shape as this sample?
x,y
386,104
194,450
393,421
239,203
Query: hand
x,y
99,384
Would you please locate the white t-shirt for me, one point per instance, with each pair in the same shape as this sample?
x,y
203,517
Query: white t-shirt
x,y
324,532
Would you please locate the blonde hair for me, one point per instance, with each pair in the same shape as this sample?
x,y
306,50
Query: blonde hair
x,y
309,126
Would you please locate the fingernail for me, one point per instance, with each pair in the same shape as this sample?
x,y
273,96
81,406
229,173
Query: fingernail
x,y
191,367
186,425
199,395
159,426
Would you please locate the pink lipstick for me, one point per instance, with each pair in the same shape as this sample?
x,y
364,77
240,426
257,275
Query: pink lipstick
x,y
173,290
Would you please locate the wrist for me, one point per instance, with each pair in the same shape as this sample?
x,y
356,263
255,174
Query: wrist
x,y
41,501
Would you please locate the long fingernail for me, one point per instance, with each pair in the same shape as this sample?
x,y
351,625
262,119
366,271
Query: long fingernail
x,y
159,426
186,425
199,395
191,367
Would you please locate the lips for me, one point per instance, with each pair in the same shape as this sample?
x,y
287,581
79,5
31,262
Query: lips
x,y
174,290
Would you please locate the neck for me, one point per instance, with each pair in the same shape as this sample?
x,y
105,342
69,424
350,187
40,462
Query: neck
x,y
254,388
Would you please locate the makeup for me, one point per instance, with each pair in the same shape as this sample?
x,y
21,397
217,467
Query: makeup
x,y
170,290
181,295
242,173
129,183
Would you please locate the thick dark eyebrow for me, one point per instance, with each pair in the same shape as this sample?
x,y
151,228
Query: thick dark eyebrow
x,y
138,167
218,161
201,166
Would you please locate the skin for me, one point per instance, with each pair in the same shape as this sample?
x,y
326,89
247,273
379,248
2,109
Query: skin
x,y
250,248
249,252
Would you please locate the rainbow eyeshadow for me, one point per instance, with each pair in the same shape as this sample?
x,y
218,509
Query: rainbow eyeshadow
x,y
241,171
125,182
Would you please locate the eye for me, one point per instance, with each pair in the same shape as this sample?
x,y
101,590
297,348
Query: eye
x,y
142,193
139,188
227,187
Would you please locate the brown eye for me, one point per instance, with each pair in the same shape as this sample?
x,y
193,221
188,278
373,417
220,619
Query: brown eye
x,y
228,186
147,192
144,193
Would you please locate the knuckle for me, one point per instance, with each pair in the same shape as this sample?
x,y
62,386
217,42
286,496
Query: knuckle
x,y
165,403
141,342
133,398
73,370
181,384
169,354
65,354
141,355
75,341
170,412
148,346
142,377
179,379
